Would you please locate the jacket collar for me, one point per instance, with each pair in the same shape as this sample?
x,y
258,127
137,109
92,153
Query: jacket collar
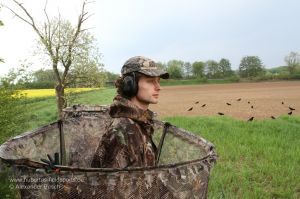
x,y
122,107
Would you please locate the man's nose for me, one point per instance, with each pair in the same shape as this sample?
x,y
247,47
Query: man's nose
x,y
157,85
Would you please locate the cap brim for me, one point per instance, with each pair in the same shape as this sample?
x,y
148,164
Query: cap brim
x,y
155,73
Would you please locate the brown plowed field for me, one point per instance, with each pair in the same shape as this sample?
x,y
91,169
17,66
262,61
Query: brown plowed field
x,y
266,99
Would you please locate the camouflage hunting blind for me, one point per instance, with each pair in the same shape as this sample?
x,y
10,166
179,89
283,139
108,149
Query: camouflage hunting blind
x,y
182,171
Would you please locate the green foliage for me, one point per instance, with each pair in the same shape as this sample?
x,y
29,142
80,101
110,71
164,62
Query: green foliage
x,y
198,69
175,69
13,114
213,70
161,65
279,73
18,77
288,76
188,70
86,69
14,109
225,67
43,78
86,75
111,78
7,189
202,80
233,78
13,121
250,67
279,70
258,159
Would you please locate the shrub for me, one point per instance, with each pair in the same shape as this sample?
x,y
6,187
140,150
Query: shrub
x,y
233,78
202,80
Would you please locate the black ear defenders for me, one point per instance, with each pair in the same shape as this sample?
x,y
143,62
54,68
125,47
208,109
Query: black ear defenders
x,y
129,85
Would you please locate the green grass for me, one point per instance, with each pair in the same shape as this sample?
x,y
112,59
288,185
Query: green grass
x,y
44,110
258,159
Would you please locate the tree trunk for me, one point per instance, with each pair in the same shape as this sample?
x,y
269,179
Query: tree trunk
x,y
60,98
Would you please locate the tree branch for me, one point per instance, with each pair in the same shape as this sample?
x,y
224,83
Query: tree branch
x,y
18,15
49,24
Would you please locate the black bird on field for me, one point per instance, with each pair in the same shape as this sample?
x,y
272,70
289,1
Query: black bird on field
x,y
197,102
248,102
203,105
273,117
239,99
292,109
282,102
251,106
190,109
220,113
290,113
251,118
228,104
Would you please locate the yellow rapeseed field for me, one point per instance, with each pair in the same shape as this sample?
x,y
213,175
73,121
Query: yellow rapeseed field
x,y
32,93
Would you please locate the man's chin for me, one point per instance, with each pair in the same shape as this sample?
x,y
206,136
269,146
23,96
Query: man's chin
x,y
154,102
148,101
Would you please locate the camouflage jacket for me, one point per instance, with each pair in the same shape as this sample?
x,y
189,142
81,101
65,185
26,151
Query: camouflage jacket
x,y
128,140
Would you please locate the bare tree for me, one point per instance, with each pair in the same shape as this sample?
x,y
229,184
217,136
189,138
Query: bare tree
x,y
293,61
60,41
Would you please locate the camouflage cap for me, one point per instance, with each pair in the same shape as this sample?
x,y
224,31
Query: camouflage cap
x,y
143,65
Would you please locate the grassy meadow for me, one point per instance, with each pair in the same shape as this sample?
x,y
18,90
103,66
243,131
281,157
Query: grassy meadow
x,y
258,159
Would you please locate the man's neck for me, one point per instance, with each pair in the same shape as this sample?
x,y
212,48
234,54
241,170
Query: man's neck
x,y
140,104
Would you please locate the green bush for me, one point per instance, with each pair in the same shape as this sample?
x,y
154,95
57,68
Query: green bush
x,y
202,80
7,189
295,76
233,78
39,85
13,121
262,78
287,76
13,113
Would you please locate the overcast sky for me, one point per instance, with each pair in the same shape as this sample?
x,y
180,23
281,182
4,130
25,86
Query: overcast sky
x,y
189,30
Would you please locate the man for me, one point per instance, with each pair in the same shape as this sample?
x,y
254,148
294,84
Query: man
x,y
128,139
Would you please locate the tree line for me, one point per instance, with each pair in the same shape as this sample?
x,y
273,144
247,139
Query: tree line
x,y
250,67
94,75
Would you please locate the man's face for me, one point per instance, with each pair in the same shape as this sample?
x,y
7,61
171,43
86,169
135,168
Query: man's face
x,y
148,91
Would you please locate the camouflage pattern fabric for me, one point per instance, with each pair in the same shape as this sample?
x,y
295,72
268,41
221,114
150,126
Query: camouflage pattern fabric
x,y
128,140
182,174
143,65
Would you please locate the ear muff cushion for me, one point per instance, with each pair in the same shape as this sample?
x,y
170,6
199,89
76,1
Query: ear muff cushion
x,y
129,86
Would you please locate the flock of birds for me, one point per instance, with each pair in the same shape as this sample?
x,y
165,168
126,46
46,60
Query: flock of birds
x,y
291,109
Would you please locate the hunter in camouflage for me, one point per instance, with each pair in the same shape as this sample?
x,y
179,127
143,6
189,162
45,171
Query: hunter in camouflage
x,y
126,129
128,139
